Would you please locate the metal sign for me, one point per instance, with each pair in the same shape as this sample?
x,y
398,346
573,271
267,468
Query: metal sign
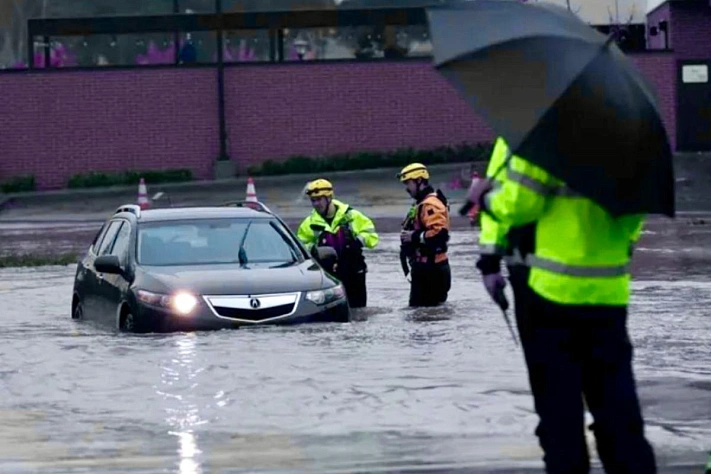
x,y
695,73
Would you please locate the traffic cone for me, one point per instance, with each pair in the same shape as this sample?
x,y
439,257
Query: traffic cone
x,y
251,193
143,201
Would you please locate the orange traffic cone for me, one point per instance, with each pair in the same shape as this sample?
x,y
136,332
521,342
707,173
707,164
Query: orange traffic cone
x,y
143,201
251,193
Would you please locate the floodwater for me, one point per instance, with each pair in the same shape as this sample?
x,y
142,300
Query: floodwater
x,y
428,390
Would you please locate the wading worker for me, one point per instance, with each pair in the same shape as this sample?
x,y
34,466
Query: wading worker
x,y
335,224
572,314
425,235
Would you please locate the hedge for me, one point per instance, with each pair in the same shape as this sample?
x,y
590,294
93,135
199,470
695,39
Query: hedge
x,y
18,184
131,177
372,159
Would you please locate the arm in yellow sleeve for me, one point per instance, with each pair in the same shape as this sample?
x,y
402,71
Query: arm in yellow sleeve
x,y
306,234
364,229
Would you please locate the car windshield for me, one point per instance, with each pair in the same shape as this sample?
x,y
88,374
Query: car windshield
x,y
214,241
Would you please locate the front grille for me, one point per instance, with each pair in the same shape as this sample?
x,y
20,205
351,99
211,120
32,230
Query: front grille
x,y
253,308
254,314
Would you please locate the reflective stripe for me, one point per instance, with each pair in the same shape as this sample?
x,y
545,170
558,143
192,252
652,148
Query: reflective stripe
x,y
565,269
539,187
514,259
575,270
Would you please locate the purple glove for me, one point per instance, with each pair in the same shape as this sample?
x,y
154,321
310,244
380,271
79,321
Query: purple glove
x,y
494,282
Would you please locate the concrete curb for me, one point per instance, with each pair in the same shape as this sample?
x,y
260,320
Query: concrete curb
x,y
226,184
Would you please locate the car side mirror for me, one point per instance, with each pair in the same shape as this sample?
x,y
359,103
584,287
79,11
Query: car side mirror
x,y
108,264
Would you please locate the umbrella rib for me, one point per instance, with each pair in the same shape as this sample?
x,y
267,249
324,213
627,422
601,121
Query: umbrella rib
x,y
460,56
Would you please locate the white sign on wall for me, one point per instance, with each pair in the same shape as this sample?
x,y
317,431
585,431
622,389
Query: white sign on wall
x,y
695,73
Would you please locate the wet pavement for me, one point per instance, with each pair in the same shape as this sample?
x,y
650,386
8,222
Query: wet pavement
x,y
402,390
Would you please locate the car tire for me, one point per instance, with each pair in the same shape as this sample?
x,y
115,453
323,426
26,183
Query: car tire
x,y
127,322
78,311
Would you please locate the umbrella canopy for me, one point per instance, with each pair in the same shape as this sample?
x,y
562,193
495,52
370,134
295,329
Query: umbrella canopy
x,y
562,95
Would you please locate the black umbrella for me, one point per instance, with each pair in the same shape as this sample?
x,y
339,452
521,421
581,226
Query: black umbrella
x,y
563,96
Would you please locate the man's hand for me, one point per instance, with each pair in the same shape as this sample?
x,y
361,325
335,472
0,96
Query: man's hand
x,y
406,236
477,189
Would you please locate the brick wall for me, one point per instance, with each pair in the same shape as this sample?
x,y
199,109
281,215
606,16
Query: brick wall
x,y
662,12
65,122
57,124
689,25
659,68
692,30
290,109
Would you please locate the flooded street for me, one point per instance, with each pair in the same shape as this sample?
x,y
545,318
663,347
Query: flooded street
x,y
427,390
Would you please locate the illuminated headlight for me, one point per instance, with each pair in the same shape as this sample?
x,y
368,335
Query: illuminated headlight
x,y
182,303
326,296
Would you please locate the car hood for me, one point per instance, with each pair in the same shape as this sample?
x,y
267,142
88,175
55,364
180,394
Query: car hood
x,y
236,280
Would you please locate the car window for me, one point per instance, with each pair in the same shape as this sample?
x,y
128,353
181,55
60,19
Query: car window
x,y
98,238
120,246
213,241
108,240
264,243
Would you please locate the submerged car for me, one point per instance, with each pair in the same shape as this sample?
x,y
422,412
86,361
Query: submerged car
x,y
203,268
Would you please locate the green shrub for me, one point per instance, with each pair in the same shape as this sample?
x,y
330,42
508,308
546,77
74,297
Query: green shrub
x,y
18,184
372,159
131,177
31,260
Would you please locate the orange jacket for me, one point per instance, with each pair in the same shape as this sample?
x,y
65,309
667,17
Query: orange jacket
x,y
431,228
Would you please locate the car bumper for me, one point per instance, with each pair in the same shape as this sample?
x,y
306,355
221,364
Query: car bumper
x,y
204,317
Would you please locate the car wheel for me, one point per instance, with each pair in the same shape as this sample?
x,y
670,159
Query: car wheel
x,y
128,322
78,312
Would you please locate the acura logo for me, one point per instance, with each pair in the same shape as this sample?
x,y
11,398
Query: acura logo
x,y
254,303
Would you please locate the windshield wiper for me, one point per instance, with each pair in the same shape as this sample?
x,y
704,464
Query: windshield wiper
x,y
241,254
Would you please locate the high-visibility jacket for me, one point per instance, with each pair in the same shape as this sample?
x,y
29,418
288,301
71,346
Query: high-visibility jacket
x,y
493,234
577,252
431,227
346,222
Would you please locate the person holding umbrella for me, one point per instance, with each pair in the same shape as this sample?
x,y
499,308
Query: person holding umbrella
x,y
571,283
584,159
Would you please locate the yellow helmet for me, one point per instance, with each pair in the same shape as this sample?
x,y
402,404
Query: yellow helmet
x,y
319,188
413,171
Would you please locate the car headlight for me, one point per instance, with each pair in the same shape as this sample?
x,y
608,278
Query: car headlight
x,y
182,302
326,296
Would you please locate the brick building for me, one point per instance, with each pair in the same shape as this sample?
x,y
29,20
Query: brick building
x,y
65,121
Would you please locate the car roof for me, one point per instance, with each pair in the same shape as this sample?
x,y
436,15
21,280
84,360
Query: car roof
x,y
197,212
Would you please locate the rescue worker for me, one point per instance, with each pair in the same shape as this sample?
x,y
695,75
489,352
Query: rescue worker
x,y
335,224
426,234
572,294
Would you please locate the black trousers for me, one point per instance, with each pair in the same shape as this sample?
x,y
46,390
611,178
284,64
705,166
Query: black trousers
x,y
430,283
354,284
581,351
